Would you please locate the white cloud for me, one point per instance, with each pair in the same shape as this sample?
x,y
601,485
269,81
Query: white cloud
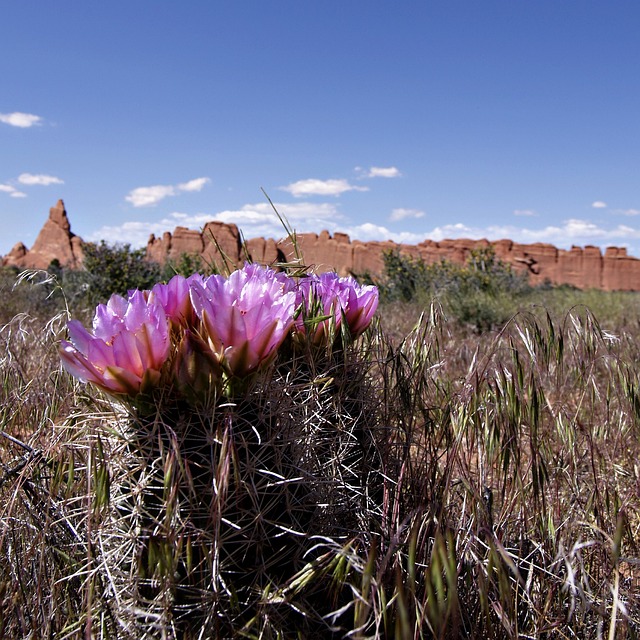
x,y
383,172
136,233
454,231
18,119
524,212
150,196
39,179
12,191
630,212
402,214
598,204
259,220
570,232
373,232
194,185
253,220
315,187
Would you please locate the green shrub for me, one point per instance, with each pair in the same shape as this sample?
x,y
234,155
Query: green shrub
x,y
186,265
482,293
116,269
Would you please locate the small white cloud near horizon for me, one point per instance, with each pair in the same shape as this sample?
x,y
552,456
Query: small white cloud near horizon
x,y
19,119
570,232
253,220
196,184
524,212
369,232
383,172
598,204
12,191
259,220
150,196
38,179
402,214
315,187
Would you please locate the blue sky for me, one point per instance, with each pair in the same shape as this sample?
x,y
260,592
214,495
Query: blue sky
x,y
399,120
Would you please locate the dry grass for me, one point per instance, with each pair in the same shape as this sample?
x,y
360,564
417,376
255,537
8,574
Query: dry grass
x,y
424,484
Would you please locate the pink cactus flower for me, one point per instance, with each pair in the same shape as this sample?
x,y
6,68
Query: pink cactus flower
x,y
321,307
245,317
359,304
335,297
127,349
175,299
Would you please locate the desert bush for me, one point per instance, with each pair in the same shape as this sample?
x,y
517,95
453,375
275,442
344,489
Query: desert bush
x,y
483,293
116,269
186,265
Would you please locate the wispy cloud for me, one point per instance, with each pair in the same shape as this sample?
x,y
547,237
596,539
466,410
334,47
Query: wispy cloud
x,y
259,220
524,212
630,212
383,172
12,191
598,204
22,120
196,184
570,232
368,232
315,187
150,196
403,214
38,179
254,220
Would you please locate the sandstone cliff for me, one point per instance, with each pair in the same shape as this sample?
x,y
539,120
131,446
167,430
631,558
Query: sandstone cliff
x,y
54,242
581,267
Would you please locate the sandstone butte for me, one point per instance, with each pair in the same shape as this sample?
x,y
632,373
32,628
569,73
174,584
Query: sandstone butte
x,y
584,268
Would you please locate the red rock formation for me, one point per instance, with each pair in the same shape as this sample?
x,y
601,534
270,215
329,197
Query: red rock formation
x,y
222,244
264,251
583,268
54,242
15,256
219,242
620,271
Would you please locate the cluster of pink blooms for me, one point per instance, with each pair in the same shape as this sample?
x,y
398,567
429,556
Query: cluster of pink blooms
x,y
192,331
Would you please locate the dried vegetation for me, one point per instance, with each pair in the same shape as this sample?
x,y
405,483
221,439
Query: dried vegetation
x,y
444,484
